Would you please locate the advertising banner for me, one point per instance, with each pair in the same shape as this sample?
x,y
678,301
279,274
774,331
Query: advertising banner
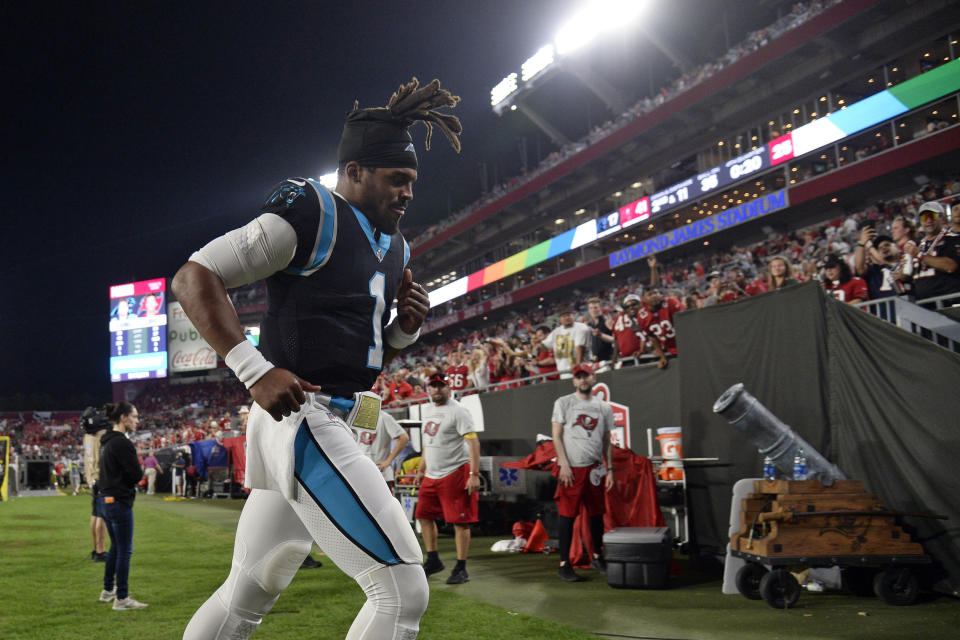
x,y
188,350
705,226
620,436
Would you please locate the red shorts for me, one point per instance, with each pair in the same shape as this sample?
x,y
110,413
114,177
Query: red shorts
x,y
448,499
582,491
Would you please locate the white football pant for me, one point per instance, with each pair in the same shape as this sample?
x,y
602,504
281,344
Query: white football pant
x,y
343,504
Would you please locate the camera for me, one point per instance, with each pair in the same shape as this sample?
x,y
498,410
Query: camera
x,y
94,420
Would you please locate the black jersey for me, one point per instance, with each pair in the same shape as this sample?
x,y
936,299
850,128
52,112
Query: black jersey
x,y
930,282
326,312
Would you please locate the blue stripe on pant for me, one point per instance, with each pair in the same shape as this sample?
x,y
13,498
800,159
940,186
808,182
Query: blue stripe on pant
x,y
328,488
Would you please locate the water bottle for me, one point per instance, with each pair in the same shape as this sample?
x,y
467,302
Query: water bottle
x,y
769,469
800,465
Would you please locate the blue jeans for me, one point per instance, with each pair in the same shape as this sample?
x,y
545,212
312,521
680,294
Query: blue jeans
x,y
119,519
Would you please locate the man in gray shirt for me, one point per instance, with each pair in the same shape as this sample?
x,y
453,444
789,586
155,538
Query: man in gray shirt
x,y
448,476
581,436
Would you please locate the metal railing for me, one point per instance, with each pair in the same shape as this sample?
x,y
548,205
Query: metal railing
x,y
599,367
921,318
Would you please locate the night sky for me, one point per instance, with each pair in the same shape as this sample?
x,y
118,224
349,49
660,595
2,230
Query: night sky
x,y
135,132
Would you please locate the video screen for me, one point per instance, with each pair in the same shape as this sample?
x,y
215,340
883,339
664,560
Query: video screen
x,y
138,330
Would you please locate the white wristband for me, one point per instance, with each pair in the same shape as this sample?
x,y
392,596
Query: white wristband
x,y
398,338
247,363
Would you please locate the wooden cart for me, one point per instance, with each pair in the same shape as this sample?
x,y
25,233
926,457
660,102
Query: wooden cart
x,y
788,524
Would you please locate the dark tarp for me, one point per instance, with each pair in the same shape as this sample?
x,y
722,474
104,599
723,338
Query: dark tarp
x,y
773,345
876,400
513,418
895,417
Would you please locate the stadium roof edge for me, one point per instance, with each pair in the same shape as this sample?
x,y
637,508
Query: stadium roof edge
x,y
747,65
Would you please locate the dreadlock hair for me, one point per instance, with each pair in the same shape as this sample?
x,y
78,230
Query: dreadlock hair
x,y
379,137
411,103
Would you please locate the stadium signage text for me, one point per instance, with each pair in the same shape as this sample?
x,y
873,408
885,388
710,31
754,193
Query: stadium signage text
x,y
696,230
188,350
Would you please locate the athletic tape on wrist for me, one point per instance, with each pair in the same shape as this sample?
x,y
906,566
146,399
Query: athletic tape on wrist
x,y
247,363
398,338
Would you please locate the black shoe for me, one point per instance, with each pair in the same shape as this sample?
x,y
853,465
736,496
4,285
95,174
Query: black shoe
x,y
93,555
310,563
599,564
100,557
459,576
431,567
567,574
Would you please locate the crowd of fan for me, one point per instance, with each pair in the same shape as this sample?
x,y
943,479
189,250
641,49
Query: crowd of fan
x,y
178,414
53,435
540,343
800,13
170,415
522,346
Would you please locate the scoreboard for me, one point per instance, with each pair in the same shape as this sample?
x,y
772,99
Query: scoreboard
x,y
138,330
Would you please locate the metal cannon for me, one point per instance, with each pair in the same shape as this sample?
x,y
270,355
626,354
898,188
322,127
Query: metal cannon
x,y
772,437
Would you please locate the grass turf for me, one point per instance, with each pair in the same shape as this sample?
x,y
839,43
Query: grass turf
x,y
181,554
182,551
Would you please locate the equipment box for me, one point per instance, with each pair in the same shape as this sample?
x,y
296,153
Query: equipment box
x,y
637,557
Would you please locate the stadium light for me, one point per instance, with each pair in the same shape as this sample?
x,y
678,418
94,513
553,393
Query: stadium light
x,y
537,63
503,89
329,180
594,18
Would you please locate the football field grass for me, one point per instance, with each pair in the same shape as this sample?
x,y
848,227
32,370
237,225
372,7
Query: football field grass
x,y
182,552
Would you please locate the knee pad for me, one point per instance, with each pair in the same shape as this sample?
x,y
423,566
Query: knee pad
x,y
400,591
276,569
238,606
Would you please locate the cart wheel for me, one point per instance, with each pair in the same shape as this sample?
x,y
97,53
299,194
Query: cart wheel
x,y
748,580
780,589
897,586
858,580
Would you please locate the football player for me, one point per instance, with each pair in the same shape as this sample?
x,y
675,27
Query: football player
x,y
334,262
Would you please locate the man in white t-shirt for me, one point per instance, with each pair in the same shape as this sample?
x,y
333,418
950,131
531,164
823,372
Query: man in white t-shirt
x,y
376,445
581,435
447,476
570,342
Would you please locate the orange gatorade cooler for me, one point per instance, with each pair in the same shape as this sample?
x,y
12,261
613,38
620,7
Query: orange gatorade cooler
x,y
671,449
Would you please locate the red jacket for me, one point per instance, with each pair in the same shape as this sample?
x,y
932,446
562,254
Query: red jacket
x,y
631,503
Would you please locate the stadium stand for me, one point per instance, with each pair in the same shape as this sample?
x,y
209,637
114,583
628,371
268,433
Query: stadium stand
x,y
799,13
837,181
793,72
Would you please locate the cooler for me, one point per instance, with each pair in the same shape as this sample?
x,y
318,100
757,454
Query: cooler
x,y
637,557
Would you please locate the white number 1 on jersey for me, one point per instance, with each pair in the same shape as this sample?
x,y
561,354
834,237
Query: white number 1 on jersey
x,y
377,290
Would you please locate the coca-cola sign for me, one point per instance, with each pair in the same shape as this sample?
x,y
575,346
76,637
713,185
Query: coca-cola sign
x,y
187,348
202,358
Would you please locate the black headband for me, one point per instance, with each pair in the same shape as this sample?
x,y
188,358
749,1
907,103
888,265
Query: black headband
x,y
375,138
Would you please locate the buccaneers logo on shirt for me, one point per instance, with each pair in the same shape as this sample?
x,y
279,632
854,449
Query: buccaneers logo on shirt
x,y
589,423
367,437
430,428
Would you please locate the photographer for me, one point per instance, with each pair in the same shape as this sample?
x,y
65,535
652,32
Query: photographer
x,y
95,424
120,472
